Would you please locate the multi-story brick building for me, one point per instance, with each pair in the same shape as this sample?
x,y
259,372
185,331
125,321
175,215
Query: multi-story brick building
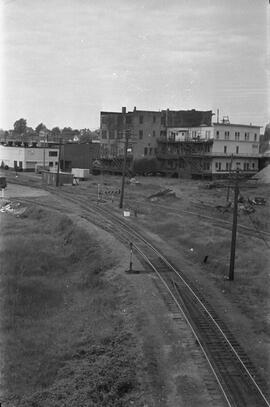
x,y
183,142
143,128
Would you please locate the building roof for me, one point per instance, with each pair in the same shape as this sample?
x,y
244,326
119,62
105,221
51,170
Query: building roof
x,y
237,125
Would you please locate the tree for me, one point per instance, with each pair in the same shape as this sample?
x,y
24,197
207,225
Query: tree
x,y
40,127
68,133
20,126
144,166
87,135
30,131
56,132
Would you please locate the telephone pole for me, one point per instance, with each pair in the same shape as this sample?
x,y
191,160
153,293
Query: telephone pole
x,y
234,227
58,164
125,157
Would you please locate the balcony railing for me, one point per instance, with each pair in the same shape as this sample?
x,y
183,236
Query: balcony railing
x,y
175,155
185,140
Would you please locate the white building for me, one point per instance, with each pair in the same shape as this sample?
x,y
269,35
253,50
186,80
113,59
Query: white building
x,y
237,144
27,158
213,150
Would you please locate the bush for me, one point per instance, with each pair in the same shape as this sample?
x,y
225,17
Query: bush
x,y
143,166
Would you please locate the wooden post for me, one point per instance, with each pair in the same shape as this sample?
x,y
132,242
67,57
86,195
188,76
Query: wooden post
x,y
58,164
125,159
234,228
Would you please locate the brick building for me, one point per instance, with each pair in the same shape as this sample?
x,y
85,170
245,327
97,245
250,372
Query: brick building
x,y
143,128
183,142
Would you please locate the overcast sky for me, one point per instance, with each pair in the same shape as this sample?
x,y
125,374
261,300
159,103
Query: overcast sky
x,y
63,61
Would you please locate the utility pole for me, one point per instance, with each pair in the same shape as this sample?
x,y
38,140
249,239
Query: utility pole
x,y
125,158
44,152
58,163
230,171
234,227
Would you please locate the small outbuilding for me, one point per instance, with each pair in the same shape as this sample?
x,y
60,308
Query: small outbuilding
x,y
54,178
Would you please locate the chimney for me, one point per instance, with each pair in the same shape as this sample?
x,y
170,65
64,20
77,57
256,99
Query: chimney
x,y
134,110
124,109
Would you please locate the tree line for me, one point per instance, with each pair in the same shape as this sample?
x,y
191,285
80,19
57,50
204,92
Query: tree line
x,y
21,130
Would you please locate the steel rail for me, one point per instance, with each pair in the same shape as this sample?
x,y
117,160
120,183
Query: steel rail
x,y
138,235
187,320
133,232
176,211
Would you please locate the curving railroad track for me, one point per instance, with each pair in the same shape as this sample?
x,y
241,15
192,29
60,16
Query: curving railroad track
x,y
234,373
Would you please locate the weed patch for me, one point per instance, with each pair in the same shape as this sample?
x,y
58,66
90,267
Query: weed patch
x,y
63,337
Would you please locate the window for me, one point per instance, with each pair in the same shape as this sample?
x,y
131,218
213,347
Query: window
x,y
218,166
145,150
154,119
238,165
140,134
225,149
255,137
104,134
154,133
150,150
155,150
56,163
253,166
246,136
141,119
51,164
237,149
227,166
162,133
237,136
217,134
52,153
227,135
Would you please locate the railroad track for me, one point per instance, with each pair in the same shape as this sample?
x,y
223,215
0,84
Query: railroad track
x,y
221,223
237,378
234,373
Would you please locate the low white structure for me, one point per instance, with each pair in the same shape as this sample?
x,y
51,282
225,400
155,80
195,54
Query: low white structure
x,y
27,158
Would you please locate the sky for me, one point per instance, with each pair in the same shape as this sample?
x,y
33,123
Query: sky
x,y
63,61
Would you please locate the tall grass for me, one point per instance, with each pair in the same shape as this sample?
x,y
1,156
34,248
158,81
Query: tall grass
x,y
63,337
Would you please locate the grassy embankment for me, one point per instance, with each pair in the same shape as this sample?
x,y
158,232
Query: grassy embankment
x,y
63,340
